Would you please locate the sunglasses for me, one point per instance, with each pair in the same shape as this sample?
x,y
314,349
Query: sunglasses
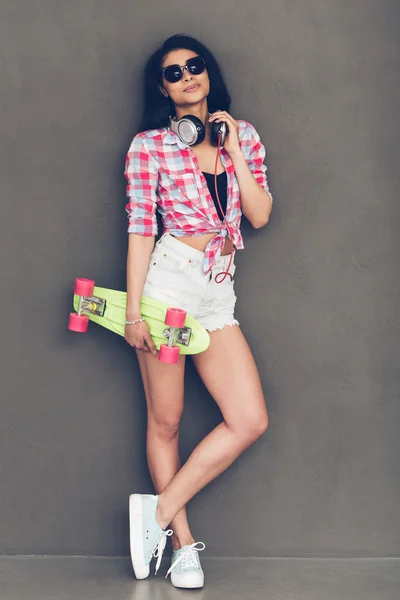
x,y
174,73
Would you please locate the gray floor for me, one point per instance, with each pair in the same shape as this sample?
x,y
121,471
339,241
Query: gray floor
x,y
98,578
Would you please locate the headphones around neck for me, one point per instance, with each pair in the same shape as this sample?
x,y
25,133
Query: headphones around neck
x,y
191,130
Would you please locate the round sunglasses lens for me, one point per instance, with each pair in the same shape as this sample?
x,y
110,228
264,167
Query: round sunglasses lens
x,y
196,65
172,74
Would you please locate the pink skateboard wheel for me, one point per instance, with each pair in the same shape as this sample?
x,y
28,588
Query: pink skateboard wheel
x,y
175,317
83,287
168,354
78,322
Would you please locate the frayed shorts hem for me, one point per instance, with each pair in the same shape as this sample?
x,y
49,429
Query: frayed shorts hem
x,y
214,327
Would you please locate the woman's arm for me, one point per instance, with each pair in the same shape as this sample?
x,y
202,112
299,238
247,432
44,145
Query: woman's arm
x,y
141,172
139,252
247,154
256,202
140,248
251,173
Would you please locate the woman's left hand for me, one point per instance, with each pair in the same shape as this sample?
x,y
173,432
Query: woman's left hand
x,y
231,143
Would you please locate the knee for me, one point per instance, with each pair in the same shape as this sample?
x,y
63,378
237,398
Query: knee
x,y
253,427
263,425
165,427
258,427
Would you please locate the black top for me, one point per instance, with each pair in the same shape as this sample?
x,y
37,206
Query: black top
x,y
222,184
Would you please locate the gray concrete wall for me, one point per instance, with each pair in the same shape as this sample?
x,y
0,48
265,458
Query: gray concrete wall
x,y
318,288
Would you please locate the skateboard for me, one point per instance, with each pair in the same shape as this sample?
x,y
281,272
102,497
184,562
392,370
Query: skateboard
x,y
173,331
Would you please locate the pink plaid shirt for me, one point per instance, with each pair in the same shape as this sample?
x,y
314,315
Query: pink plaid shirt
x,y
163,173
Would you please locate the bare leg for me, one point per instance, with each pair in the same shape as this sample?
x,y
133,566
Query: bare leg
x,y
163,385
230,374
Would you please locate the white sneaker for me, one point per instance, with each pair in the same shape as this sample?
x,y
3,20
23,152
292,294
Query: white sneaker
x,y
185,569
147,538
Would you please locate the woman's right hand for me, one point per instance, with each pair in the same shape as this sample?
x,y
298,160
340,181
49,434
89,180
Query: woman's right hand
x,y
138,336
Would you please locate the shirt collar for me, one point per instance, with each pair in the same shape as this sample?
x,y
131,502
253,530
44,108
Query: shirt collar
x,y
172,138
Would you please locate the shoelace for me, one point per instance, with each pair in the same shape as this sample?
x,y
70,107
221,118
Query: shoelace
x,y
189,557
159,546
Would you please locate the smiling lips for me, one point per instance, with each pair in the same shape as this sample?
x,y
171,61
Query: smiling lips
x,y
192,88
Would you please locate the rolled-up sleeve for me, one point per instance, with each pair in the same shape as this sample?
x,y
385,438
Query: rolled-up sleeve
x,y
255,153
141,173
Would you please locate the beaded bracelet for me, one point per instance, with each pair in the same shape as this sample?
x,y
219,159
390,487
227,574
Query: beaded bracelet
x,y
133,322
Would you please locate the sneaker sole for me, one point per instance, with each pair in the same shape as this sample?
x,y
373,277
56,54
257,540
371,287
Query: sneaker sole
x,y
187,587
141,569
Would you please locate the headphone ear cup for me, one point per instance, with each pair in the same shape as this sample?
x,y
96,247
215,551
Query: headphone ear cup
x,y
201,130
217,128
189,129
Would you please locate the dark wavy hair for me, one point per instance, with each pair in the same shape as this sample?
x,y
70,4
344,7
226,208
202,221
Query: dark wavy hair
x,y
158,108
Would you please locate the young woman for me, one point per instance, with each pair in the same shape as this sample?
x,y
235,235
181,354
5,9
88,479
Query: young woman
x,y
190,267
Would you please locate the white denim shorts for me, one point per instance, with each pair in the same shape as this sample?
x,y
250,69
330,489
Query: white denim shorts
x,y
176,277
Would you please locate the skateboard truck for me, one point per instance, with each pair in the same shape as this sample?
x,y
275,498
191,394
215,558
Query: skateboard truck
x,y
182,337
175,319
87,303
92,304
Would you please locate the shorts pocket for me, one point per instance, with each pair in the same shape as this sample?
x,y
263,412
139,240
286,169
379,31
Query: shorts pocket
x,y
231,272
166,262
222,277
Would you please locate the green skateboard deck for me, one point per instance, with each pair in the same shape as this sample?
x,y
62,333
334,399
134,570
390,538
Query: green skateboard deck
x,y
107,308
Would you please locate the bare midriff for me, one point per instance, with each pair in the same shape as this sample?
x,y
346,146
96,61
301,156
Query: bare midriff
x,y
200,242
